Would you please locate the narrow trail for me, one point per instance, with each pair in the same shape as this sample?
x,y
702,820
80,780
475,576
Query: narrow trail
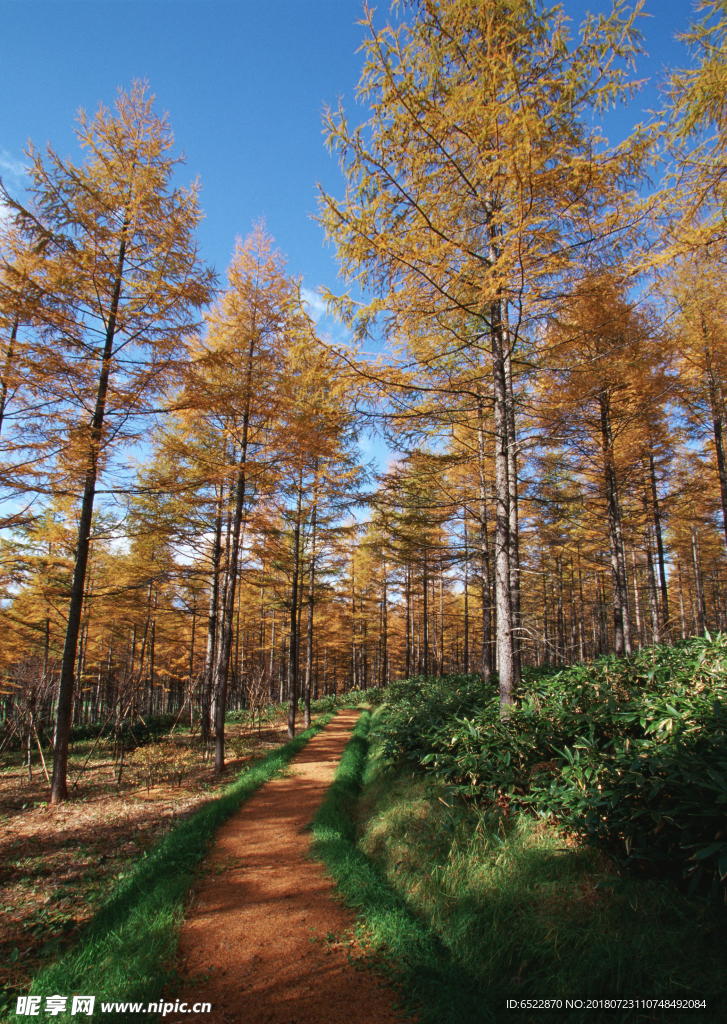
x,y
246,946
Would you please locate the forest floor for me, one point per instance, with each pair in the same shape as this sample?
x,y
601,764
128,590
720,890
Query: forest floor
x,y
263,941
58,864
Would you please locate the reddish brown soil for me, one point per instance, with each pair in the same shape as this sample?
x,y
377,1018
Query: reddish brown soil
x,y
58,864
262,938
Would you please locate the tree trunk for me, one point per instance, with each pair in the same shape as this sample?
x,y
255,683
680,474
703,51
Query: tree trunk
x,y
309,637
681,601
614,528
9,357
546,635
651,583
581,614
407,599
208,680
503,601
152,644
560,623
384,630
637,603
717,409
261,629
425,614
698,587
659,549
514,526
294,623
272,655
441,621
486,663
59,784
354,681
466,652
222,661
191,647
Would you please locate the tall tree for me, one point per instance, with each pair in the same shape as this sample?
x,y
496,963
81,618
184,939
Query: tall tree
x,y
473,186
699,337
119,266
604,382
238,382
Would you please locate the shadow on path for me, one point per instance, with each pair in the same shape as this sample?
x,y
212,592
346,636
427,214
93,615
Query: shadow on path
x,y
255,943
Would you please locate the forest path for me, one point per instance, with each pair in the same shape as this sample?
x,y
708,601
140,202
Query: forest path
x,y
254,943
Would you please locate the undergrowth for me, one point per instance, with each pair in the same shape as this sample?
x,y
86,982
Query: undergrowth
x,y
466,908
126,951
351,699
404,949
631,753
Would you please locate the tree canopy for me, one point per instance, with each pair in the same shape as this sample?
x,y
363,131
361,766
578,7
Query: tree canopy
x,y
189,520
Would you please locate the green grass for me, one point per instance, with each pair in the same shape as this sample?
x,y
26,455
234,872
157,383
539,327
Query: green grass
x,y
629,752
125,953
469,909
403,947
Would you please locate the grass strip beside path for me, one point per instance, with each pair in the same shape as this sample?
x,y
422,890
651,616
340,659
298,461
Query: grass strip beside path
x,y
465,911
124,954
410,954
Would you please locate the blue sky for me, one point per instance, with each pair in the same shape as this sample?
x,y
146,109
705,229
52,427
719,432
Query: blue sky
x,y
244,83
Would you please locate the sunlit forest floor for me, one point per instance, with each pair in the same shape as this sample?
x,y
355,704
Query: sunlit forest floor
x,y
574,850
262,940
58,864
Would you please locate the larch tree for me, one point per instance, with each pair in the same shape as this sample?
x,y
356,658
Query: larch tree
x,y
13,313
699,339
603,381
117,262
473,187
317,456
24,309
237,382
192,464
697,130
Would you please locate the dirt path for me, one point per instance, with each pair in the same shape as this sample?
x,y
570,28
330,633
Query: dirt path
x,y
255,941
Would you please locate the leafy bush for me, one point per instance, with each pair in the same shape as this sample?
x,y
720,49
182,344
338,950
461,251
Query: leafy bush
x,y
167,760
631,752
463,909
351,699
237,746
134,731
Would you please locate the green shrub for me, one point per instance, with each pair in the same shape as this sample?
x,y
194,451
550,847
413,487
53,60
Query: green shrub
x,y
352,699
465,909
167,761
631,752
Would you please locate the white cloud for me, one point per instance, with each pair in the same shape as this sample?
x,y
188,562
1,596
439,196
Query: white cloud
x,y
10,166
329,328
119,544
317,307
13,172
